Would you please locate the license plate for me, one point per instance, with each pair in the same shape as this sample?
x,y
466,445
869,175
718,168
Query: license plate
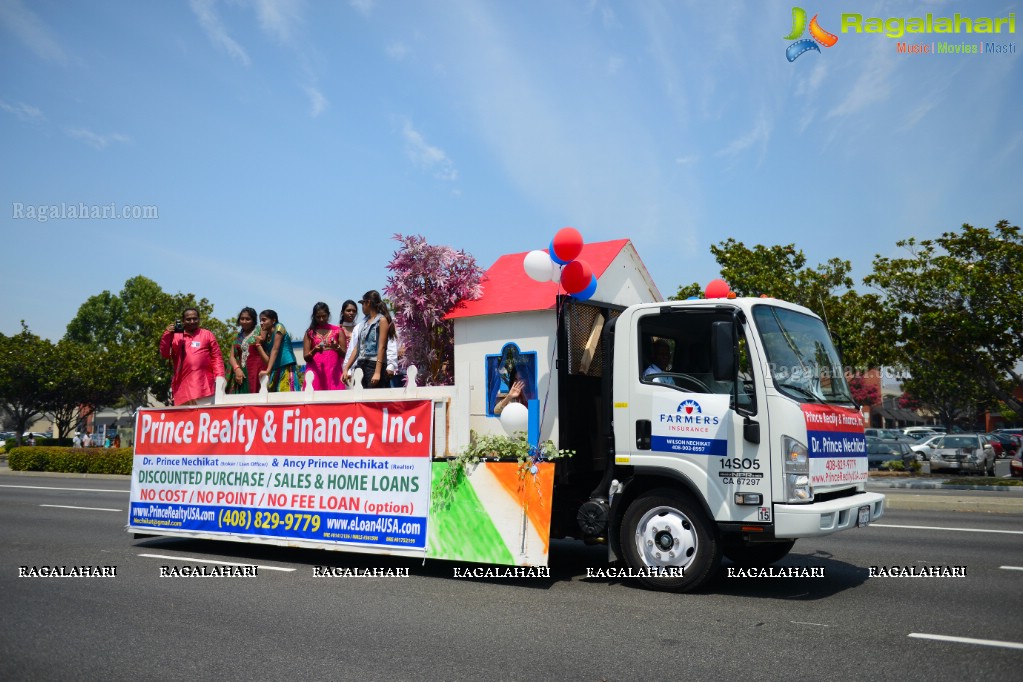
x,y
863,516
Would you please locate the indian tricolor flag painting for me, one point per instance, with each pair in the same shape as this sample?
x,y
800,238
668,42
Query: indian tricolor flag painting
x,y
498,513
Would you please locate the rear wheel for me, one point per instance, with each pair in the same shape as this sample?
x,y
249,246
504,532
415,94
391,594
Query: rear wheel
x,y
759,554
665,530
991,467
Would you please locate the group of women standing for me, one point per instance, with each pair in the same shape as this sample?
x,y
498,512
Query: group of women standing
x,y
331,351
259,350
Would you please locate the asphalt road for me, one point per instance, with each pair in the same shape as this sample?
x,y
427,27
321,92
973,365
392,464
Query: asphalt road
x,y
286,623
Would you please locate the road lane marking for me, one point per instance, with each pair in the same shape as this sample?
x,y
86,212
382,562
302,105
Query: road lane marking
x,y
967,640
67,506
964,530
1011,568
87,490
799,622
211,561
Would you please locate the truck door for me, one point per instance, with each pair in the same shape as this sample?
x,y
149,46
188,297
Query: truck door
x,y
686,422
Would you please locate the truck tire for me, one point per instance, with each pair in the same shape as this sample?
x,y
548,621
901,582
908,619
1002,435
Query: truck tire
x,y
760,554
991,467
663,529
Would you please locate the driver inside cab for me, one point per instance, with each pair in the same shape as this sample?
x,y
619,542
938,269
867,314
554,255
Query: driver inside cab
x,y
661,354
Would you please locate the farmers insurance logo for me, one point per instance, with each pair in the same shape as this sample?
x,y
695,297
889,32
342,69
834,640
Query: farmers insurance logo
x,y
689,407
805,45
690,412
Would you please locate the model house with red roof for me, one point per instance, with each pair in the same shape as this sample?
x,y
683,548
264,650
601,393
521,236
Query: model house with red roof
x,y
511,333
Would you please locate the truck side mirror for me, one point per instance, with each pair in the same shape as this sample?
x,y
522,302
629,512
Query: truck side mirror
x,y
723,351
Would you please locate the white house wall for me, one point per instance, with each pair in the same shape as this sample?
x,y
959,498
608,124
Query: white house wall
x,y
478,337
626,281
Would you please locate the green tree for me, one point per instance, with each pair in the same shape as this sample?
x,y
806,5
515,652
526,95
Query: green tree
x,y
862,325
129,326
82,378
960,324
687,291
25,360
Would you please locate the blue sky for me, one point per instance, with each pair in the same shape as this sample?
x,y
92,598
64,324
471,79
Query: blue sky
x,y
282,144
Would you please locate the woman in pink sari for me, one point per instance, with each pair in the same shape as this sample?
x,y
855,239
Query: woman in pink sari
x,y
324,346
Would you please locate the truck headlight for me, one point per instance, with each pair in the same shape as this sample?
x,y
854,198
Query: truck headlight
x,y
797,471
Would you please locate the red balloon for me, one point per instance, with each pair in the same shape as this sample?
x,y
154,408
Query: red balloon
x,y
567,244
576,276
717,288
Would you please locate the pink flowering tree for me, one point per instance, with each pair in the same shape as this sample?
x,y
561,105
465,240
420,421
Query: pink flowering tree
x,y
864,393
426,283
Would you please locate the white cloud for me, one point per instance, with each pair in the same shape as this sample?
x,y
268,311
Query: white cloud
x,y
806,87
687,160
614,65
280,18
757,135
872,86
427,156
397,50
23,111
23,23
363,7
607,15
318,103
216,32
95,139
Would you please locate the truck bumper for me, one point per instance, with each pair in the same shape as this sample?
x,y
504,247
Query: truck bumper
x,y
824,518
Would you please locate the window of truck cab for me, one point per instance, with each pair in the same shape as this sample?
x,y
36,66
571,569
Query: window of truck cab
x,y
688,334
801,357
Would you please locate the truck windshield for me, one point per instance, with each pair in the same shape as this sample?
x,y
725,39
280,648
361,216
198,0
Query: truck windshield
x,y
802,360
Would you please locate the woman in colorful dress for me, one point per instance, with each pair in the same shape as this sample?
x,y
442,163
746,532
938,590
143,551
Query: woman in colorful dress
x,y
246,358
349,311
376,332
275,346
324,347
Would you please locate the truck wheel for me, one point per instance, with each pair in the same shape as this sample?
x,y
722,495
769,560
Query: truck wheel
x,y
758,554
991,467
663,530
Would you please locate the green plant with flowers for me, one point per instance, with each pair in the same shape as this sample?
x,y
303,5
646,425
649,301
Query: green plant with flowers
x,y
494,448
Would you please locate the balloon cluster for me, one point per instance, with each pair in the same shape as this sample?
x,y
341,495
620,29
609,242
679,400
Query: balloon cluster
x,y
561,264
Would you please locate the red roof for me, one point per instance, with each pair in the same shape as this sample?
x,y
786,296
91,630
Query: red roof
x,y
508,289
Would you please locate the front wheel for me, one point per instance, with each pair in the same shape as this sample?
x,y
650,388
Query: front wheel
x,y
663,531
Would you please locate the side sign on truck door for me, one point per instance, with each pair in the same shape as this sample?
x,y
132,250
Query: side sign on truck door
x,y
691,424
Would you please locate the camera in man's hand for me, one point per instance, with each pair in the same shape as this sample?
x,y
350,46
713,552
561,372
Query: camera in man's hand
x,y
178,326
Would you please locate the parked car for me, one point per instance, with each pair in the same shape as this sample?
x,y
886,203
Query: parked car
x,y
888,434
996,444
919,432
1016,466
963,452
881,452
923,448
1010,443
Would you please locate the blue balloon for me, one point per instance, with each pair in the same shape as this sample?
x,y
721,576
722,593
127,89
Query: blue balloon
x,y
590,289
554,256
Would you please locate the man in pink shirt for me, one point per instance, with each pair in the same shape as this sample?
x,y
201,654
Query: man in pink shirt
x,y
197,360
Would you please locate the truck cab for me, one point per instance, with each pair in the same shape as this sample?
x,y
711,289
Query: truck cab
x,y
747,439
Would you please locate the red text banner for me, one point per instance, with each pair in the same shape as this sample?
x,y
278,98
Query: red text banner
x,y
401,429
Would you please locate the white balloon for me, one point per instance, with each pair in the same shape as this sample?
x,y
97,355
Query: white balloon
x,y
515,416
537,265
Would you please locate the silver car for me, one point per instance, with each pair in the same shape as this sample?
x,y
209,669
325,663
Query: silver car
x,y
962,452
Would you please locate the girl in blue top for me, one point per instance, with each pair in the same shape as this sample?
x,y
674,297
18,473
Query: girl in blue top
x,y
370,354
275,347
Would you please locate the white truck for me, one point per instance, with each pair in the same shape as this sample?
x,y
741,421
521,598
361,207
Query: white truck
x,y
745,439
